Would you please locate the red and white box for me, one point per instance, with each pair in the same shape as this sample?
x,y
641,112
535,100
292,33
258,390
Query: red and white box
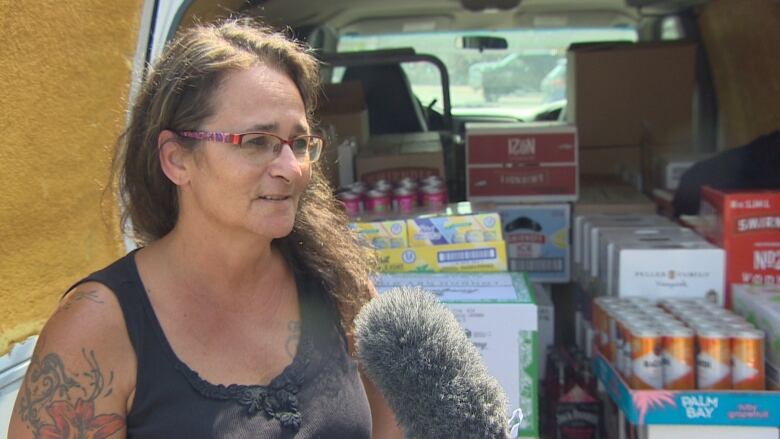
x,y
518,162
747,225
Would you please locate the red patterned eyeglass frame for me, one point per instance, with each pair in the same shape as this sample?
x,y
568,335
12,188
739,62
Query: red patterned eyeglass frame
x,y
235,139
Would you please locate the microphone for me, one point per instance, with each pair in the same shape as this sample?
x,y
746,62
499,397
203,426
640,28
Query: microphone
x,y
413,349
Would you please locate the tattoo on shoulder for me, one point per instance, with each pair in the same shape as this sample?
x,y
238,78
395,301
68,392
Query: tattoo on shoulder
x,y
294,335
57,404
92,296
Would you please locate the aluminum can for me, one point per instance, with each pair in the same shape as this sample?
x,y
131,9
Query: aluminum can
x,y
353,203
599,320
404,200
713,359
646,361
747,359
358,187
433,196
432,179
408,183
679,358
377,201
383,185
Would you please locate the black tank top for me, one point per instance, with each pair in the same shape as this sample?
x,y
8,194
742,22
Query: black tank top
x,y
319,395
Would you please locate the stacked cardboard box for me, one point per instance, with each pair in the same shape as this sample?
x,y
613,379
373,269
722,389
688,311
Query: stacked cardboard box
x,y
499,314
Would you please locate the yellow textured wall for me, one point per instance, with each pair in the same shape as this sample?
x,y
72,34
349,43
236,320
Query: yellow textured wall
x,y
66,70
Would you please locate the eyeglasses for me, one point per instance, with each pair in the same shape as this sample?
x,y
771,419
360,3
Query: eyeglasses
x,y
262,146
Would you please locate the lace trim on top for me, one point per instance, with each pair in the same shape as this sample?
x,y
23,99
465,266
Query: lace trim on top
x,y
279,399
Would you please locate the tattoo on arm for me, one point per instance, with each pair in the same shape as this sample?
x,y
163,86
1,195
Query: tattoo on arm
x,y
291,345
57,404
92,296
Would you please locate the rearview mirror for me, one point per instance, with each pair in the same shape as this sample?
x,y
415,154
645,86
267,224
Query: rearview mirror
x,y
482,42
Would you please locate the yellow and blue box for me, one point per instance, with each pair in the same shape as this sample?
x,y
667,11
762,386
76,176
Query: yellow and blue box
x,y
382,234
454,229
464,257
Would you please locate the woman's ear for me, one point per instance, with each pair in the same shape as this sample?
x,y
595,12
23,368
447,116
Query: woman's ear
x,y
174,157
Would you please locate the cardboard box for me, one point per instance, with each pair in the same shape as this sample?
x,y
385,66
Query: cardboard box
x,y
671,166
453,229
344,107
382,234
606,194
466,257
584,237
521,162
342,115
600,271
657,271
498,313
631,94
546,318
761,306
537,239
395,156
747,226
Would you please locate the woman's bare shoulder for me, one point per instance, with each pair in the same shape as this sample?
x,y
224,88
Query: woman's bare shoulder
x,y
83,366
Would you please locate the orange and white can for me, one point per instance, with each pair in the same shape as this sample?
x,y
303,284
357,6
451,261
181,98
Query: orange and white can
x,y
713,359
747,359
646,362
600,322
679,358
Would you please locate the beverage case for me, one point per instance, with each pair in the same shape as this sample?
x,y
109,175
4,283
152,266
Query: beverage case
x,y
692,270
747,226
521,162
537,238
454,229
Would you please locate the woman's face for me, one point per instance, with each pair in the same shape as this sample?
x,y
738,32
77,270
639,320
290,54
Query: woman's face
x,y
229,187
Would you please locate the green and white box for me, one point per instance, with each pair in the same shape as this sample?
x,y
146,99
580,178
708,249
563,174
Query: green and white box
x,y
499,314
760,304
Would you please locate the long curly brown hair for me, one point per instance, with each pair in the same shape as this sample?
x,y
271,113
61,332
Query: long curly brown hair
x,y
176,95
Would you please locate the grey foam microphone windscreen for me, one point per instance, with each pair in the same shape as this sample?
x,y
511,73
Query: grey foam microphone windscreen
x,y
413,349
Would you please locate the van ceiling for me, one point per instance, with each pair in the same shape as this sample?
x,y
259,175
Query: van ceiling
x,y
362,16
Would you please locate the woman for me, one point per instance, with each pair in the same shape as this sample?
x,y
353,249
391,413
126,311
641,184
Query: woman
x,y
231,321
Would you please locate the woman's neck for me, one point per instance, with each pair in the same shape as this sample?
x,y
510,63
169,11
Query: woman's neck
x,y
216,264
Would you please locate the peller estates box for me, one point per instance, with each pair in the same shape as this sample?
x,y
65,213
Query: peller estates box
x,y
660,270
514,162
498,313
747,226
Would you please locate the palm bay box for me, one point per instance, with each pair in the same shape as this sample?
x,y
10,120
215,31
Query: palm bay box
x,y
747,225
499,314
521,162
537,240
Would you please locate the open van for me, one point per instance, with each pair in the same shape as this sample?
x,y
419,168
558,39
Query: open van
x,y
641,80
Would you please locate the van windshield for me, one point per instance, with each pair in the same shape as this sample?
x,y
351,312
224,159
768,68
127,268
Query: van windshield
x,y
520,81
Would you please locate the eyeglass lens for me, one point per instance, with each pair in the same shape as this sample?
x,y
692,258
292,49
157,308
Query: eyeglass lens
x,y
265,146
